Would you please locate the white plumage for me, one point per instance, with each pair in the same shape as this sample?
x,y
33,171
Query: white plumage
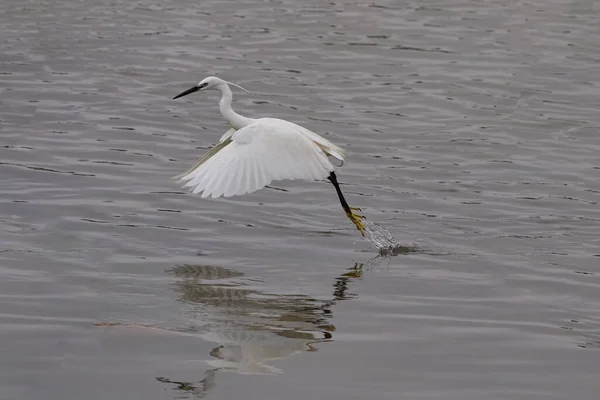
x,y
255,152
258,152
264,151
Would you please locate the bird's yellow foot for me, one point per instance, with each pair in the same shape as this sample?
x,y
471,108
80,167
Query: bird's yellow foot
x,y
357,220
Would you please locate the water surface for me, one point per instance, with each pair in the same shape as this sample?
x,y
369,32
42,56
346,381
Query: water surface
x,y
472,134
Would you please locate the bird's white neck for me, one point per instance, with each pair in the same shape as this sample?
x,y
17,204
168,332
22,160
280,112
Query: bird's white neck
x,y
235,120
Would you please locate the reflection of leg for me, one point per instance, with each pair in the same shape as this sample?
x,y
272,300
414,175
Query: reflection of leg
x,y
340,285
355,218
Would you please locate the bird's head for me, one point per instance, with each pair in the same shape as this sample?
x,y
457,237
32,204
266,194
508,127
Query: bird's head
x,y
211,82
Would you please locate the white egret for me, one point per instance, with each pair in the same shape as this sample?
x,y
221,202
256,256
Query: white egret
x,y
255,152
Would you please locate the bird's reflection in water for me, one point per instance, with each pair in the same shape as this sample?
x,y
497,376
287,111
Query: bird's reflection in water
x,y
252,328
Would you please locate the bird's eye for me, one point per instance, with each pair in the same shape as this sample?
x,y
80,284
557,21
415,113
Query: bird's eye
x,y
205,84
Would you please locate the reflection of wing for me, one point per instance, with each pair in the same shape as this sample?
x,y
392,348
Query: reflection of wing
x,y
248,351
255,155
193,272
250,328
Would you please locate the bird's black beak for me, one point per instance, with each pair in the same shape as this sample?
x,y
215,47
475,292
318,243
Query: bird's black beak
x,y
190,90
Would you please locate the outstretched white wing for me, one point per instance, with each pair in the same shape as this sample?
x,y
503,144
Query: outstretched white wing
x,y
254,156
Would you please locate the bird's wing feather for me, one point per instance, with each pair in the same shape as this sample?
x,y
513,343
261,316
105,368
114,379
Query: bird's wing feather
x,y
221,145
227,134
224,141
328,147
253,157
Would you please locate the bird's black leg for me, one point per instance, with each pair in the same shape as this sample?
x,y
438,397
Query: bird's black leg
x,y
355,218
333,179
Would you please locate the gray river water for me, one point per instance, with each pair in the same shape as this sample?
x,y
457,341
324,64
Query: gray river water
x,y
472,135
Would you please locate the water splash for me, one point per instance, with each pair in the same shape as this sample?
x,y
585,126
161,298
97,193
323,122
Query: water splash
x,y
382,238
